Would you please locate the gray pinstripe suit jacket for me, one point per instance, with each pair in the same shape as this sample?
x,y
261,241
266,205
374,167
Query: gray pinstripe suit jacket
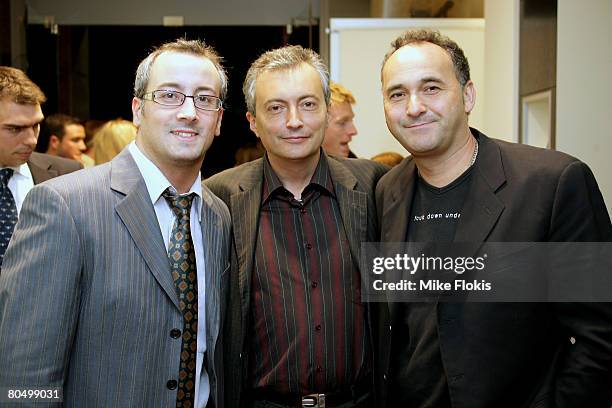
x,y
87,301
240,188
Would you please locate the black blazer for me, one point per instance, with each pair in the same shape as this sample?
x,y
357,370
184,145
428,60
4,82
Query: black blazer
x,y
240,188
510,354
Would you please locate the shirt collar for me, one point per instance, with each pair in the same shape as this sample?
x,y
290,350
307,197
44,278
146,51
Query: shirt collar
x,y
22,171
321,177
157,183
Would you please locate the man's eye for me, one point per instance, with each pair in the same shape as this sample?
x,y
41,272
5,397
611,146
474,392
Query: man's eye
x,y
275,108
13,129
205,99
168,95
309,105
431,89
396,95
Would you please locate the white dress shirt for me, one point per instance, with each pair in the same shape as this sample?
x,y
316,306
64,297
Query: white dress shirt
x,y
20,184
156,184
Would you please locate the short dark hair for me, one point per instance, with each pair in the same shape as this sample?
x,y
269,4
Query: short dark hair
x,y
460,62
17,87
54,125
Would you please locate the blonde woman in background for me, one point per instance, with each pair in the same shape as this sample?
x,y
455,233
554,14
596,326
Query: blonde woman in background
x,y
111,138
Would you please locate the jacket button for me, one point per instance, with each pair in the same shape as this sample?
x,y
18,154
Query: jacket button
x,y
175,333
171,384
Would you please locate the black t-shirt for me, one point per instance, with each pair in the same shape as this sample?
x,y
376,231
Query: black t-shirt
x,y
417,369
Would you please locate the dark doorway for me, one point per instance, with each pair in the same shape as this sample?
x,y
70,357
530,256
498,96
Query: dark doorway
x,y
88,71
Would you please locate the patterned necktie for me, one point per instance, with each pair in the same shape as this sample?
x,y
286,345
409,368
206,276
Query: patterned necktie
x,y
8,211
183,267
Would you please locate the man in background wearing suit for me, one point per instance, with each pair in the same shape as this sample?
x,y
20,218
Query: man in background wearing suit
x,y
299,332
482,354
20,168
114,281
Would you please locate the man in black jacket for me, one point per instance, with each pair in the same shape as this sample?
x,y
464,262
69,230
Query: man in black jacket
x,y
482,354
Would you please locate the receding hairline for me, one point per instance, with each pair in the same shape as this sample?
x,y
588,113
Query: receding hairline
x,y
418,44
193,54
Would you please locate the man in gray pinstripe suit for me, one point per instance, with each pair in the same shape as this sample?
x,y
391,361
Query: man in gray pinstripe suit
x,y
299,331
88,303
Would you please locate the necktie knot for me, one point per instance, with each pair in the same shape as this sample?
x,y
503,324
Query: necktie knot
x,y
5,176
180,204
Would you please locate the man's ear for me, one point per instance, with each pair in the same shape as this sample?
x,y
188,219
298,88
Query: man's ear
x,y
54,143
219,117
252,125
469,96
136,110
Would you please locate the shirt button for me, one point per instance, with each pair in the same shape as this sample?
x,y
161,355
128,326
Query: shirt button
x,y
308,246
175,333
319,369
314,284
303,210
318,327
171,384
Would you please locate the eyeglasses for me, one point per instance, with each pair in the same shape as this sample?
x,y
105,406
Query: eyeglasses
x,y
175,98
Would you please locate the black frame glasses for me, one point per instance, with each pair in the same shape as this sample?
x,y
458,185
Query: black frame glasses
x,y
168,97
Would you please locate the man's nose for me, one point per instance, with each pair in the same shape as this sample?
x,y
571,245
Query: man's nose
x,y
30,137
188,110
294,120
415,106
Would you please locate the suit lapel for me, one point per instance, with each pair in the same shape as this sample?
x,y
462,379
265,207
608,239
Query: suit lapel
x,y
398,203
353,206
212,238
396,210
482,208
138,215
244,207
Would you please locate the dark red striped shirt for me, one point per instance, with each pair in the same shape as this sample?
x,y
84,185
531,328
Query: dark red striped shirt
x,y
307,319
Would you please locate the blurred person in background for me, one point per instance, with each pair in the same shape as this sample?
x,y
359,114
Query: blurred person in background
x,y
91,127
21,168
389,158
64,136
110,139
340,128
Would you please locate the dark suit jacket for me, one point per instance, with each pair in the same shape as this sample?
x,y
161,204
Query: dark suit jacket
x,y
513,355
240,188
44,167
87,300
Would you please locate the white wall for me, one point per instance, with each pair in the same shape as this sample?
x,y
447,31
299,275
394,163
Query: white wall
x,y
584,87
501,69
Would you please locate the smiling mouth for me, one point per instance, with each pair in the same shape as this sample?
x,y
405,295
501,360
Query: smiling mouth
x,y
184,133
417,125
295,139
